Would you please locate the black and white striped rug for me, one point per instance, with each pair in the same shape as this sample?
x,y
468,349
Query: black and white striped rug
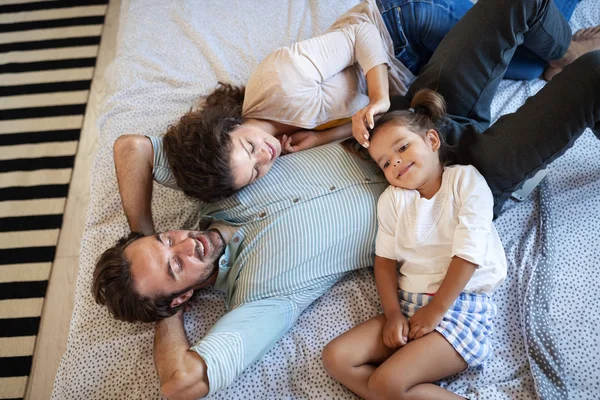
x,y
48,51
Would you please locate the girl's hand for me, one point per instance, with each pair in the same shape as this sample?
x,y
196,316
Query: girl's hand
x,y
300,140
364,120
395,331
424,321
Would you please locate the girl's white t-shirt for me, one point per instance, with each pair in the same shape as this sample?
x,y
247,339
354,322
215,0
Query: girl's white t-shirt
x,y
424,234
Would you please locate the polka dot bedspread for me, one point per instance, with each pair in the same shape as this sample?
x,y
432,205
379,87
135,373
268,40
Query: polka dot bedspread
x,y
546,337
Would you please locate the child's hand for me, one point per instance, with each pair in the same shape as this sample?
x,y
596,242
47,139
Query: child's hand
x,y
424,321
395,331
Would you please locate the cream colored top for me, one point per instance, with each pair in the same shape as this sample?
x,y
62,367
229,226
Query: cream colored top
x,y
321,79
424,234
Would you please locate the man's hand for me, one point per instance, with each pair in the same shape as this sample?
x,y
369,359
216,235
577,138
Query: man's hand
x,y
298,141
182,372
424,321
364,119
395,331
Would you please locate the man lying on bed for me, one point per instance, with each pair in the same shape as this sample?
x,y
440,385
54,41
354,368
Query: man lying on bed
x,y
288,247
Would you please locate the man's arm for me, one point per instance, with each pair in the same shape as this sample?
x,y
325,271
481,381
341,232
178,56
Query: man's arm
x,y
133,157
246,333
182,372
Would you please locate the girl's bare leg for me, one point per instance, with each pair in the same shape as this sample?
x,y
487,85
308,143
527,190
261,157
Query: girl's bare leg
x,y
352,357
408,373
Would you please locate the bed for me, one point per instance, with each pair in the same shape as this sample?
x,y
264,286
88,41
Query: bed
x,y
171,53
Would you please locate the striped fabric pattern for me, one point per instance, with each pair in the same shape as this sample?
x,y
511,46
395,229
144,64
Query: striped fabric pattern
x,y
302,226
467,325
48,51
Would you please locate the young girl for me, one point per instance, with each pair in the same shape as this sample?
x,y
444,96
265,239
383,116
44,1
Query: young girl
x,y
435,223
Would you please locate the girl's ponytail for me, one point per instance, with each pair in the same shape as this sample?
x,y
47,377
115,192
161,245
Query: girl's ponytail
x,y
427,111
429,103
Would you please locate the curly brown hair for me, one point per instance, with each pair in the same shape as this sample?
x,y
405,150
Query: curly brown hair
x,y
113,286
199,147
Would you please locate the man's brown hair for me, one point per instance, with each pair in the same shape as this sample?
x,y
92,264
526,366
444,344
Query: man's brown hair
x,y
113,287
199,147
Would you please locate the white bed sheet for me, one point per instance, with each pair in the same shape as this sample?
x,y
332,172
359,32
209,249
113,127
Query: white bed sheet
x,y
169,54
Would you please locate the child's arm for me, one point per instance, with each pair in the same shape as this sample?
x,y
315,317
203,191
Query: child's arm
x,y
387,285
395,331
427,318
459,274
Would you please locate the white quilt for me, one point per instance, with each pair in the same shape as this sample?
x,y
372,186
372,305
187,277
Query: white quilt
x,y
169,54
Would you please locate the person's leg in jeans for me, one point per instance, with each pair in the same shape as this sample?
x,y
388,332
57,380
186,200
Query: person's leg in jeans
x,y
525,64
471,60
518,145
417,27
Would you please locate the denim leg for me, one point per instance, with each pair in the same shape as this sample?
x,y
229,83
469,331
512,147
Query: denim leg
x,y
526,65
518,145
418,26
471,60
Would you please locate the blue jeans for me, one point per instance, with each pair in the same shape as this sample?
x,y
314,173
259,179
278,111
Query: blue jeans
x,y
418,26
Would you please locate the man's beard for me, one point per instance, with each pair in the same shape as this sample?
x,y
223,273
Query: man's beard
x,y
217,248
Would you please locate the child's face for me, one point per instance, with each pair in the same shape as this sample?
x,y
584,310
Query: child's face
x,y
408,160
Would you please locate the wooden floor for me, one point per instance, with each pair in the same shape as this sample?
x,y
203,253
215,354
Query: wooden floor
x,y
58,306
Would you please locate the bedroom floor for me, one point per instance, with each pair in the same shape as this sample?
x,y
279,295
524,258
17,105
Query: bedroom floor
x,y
58,305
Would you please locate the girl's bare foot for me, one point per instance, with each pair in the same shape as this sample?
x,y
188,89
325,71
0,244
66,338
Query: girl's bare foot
x,y
583,41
